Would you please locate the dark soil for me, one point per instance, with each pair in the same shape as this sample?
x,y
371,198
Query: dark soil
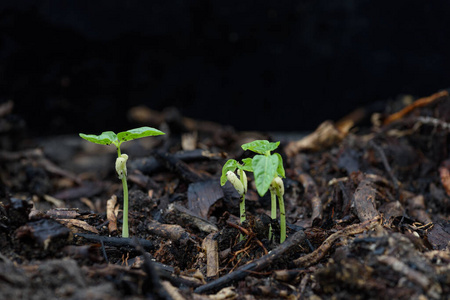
x,y
367,210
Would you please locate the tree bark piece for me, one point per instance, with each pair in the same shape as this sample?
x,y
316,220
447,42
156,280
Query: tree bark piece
x,y
202,195
364,201
212,255
169,231
181,215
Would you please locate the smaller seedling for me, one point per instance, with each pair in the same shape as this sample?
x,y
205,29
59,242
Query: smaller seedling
x,y
109,137
268,168
240,184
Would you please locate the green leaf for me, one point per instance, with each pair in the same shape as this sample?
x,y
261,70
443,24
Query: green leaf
x,y
106,138
265,169
138,133
247,166
230,165
280,168
260,146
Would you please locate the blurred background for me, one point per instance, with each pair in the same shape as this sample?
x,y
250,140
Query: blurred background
x,y
79,66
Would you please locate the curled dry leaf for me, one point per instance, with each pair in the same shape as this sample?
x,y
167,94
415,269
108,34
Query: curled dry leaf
x,y
111,213
326,135
74,224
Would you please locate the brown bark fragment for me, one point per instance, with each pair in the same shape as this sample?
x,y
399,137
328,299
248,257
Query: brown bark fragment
x,y
364,201
212,255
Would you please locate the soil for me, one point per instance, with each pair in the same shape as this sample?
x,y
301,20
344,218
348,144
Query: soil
x,y
367,209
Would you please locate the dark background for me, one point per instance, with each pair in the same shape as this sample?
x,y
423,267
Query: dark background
x,y
78,66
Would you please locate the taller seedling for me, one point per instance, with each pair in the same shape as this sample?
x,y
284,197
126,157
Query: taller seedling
x,y
109,137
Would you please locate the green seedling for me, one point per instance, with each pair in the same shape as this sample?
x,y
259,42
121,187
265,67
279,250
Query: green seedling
x,y
240,184
109,137
268,168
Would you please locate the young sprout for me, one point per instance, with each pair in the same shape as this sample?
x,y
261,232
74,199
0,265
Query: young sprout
x,y
277,188
109,137
240,184
268,168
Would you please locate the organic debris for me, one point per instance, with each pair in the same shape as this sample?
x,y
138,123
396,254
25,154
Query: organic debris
x,y
367,211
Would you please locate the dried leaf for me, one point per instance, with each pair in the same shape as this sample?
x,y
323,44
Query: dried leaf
x,y
326,135
73,224
111,213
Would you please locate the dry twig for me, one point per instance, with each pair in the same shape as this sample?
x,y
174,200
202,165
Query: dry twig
x,y
319,253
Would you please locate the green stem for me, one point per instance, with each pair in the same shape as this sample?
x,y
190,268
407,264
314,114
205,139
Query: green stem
x,y
282,219
273,211
242,214
125,232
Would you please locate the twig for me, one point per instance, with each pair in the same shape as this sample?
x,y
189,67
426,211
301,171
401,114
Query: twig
x,y
418,103
319,253
249,234
385,164
152,284
254,266
115,241
399,266
312,195
104,252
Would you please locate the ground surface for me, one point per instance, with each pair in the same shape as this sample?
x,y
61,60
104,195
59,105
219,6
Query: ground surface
x,y
367,211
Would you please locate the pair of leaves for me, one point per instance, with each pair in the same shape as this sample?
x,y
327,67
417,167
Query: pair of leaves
x,y
232,165
261,146
109,137
264,165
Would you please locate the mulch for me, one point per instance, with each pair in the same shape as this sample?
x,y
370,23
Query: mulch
x,y
367,205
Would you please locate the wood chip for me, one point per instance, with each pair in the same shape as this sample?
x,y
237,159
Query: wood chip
x,y
364,201
212,255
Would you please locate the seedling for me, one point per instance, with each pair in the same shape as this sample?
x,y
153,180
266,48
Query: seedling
x,y
267,168
240,184
109,137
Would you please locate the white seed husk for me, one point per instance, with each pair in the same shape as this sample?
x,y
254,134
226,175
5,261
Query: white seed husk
x,y
277,183
243,179
121,165
235,182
